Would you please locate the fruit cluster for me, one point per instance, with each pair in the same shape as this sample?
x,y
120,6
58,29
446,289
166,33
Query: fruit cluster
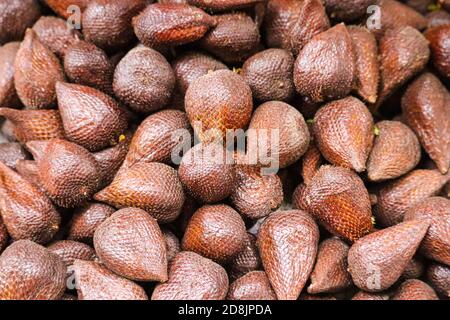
x,y
118,181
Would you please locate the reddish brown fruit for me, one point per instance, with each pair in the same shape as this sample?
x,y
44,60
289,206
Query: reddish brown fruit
x,y
88,65
299,198
95,282
347,11
207,172
436,244
311,162
54,33
253,286
191,66
68,172
361,295
171,24
8,95
36,71
4,236
173,246
343,132
378,260
15,17
287,243
153,187
399,195
440,50
414,269
11,153
28,169
223,5
192,277
156,137
61,7
90,118
27,213
219,101
86,219
438,276
269,74
367,70
426,108
338,198
144,80
131,244
330,271
437,18
69,251
314,77
247,260
216,232
396,151
278,118
404,52
107,23
29,271
31,125
234,38
414,289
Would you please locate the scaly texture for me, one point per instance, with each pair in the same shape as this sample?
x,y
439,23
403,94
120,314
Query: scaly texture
x,y
436,244
219,101
15,17
4,236
245,261
253,286
8,95
171,24
223,5
438,276
27,213
192,277
69,251
396,151
67,171
377,260
426,108
61,7
440,48
11,152
173,246
32,125
131,244
216,232
348,10
269,75
287,244
311,162
338,198
343,132
330,271
95,282
299,198
397,196
90,118
36,71
414,289
29,271
153,187
144,80
325,67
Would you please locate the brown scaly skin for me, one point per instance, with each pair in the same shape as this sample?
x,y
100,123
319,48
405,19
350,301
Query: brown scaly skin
x,y
349,10
216,232
28,169
171,24
173,245
436,244
299,199
3,236
287,243
439,48
377,260
414,289
253,286
311,162
8,95
193,277
60,6
11,153
223,5
29,271
425,107
69,251
16,16
95,282
245,261
414,269
438,276
131,244
437,18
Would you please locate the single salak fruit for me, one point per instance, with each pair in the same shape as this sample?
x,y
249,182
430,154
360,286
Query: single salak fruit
x,y
414,289
36,71
202,236
330,271
26,212
438,276
287,244
171,24
426,108
338,199
193,277
377,260
314,77
245,261
68,172
11,153
95,282
396,151
311,162
8,95
61,7
436,244
349,10
173,246
15,17
153,187
69,251
29,271
223,5
253,286
440,52
397,196
131,244
344,133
